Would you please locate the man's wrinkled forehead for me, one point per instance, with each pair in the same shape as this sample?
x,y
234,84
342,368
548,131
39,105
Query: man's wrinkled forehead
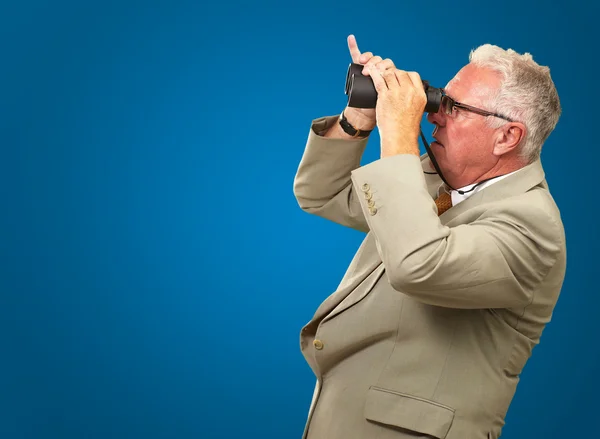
x,y
454,80
454,84
473,83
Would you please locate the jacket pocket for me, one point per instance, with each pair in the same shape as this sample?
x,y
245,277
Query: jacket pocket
x,y
408,412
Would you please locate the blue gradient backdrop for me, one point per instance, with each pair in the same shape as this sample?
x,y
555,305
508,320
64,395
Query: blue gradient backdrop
x,y
155,267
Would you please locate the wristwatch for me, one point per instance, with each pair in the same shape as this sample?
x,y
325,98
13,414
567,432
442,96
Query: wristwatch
x,y
349,129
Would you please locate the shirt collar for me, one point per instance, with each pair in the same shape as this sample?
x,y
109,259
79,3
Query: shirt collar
x,y
457,197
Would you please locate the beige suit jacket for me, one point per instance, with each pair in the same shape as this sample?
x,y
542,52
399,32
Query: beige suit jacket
x,y
435,318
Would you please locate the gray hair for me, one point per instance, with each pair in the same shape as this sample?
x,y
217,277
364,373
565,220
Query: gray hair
x,y
526,94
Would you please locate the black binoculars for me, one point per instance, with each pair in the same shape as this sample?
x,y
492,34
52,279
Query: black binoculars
x,y
362,93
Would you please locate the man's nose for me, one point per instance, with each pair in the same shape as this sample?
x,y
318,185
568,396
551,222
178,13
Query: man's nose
x,y
437,118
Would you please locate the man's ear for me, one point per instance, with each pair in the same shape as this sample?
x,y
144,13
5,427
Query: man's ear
x,y
509,137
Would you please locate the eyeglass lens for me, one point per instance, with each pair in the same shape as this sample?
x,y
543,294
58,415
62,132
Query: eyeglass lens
x,y
447,104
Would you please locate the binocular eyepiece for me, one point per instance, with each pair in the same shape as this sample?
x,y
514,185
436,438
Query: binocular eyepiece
x,y
362,93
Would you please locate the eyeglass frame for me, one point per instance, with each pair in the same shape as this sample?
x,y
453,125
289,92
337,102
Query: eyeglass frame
x,y
466,107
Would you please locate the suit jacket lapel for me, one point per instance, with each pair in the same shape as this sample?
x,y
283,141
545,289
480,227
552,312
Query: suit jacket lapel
x,y
366,261
520,182
358,293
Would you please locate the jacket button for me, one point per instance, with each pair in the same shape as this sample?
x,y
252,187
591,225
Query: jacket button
x,y
373,210
365,187
318,344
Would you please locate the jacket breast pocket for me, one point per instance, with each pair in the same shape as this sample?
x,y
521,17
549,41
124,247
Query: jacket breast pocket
x,y
408,412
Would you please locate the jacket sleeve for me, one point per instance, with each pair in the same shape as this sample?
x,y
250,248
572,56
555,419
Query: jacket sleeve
x,y
323,181
322,185
496,261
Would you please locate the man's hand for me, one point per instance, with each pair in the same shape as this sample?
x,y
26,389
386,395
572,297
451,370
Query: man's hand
x,y
361,118
401,102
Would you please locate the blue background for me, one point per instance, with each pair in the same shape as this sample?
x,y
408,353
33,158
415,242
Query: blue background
x,y
155,267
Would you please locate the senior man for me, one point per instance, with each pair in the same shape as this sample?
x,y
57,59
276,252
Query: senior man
x,y
449,292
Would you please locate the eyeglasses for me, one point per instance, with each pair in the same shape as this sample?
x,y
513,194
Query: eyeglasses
x,y
448,104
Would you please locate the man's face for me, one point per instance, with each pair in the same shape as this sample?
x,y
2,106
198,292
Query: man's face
x,y
464,142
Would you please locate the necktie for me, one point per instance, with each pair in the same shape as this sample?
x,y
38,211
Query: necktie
x,y
443,202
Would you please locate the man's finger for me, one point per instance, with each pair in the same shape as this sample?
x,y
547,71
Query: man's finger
x,y
418,84
353,47
391,79
378,81
370,65
416,80
386,64
365,58
402,78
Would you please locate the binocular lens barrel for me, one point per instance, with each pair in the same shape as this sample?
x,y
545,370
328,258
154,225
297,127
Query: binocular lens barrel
x,y
362,93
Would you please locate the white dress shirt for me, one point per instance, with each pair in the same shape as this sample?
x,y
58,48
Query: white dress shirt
x,y
457,198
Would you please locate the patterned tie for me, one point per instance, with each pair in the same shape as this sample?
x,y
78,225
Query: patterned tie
x,y
443,202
